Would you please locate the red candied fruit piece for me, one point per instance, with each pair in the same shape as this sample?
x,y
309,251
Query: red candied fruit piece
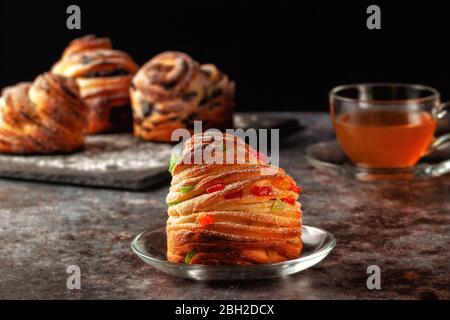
x,y
297,189
233,195
205,220
288,201
262,191
215,188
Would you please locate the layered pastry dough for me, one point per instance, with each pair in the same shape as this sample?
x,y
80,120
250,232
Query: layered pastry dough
x,y
172,90
240,213
104,76
46,116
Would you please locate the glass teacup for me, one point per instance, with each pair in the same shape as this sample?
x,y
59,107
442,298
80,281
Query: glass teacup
x,y
387,125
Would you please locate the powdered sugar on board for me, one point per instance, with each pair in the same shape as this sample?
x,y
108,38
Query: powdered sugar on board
x,y
117,160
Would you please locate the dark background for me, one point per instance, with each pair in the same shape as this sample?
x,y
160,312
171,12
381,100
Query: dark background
x,y
283,55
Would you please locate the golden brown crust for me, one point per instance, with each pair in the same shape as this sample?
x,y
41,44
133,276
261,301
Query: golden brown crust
x,y
104,76
172,90
253,217
46,116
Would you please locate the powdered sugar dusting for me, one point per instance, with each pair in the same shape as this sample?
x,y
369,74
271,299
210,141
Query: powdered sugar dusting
x,y
103,153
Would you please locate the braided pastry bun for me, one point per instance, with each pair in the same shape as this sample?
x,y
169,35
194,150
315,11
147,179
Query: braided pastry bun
x,y
43,117
104,77
238,213
172,90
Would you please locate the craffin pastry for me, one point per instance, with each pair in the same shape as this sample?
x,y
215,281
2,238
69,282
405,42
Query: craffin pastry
x,y
244,212
43,117
172,90
104,77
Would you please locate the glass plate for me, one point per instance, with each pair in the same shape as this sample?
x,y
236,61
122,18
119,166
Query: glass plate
x,y
329,157
151,247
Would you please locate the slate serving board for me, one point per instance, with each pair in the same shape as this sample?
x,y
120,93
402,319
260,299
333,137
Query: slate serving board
x,y
120,160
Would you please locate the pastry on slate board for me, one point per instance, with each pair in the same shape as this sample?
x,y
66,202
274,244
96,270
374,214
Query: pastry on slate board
x,y
172,90
104,76
43,117
239,213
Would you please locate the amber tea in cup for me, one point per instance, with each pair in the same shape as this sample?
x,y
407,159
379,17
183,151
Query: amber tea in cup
x,y
385,125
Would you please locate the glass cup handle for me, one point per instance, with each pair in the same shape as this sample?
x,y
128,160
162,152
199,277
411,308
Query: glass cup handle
x,y
439,113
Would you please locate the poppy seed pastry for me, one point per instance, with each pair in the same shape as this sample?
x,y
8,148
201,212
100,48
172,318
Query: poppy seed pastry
x,y
238,213
43,117
104,77
172,90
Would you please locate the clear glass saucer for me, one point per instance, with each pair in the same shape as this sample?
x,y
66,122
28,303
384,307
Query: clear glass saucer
x,y
151,247
329,157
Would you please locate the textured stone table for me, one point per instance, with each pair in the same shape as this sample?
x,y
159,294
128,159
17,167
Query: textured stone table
x,y
404,227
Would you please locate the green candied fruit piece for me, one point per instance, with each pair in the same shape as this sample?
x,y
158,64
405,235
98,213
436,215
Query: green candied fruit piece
x,y
185,189
173,203
278,205
189,256
172,162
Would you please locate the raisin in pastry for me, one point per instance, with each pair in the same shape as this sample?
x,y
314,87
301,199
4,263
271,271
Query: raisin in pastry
x,y
104,76
240,212
172,90
43,117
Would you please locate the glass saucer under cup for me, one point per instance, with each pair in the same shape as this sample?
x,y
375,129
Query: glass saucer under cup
x,y
329,157
150,247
